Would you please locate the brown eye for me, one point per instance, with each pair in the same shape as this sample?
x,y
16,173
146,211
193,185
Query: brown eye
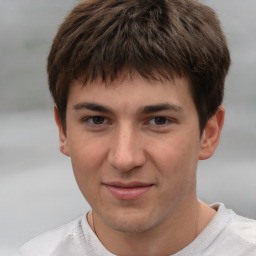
x,y
160,120
98,120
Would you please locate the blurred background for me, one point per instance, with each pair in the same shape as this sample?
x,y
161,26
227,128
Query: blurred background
x,y
37,188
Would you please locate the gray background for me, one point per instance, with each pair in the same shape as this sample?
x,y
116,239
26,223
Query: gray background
x,y
37,188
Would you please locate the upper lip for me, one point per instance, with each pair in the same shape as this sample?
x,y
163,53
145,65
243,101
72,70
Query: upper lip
x,y
132,184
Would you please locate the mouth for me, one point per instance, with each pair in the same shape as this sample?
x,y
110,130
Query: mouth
x,y
128,191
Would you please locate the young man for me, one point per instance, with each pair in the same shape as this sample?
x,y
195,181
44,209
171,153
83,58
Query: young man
x,y
138,87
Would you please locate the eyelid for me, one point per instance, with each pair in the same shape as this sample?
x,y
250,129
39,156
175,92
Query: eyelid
x,y
87,119
169,121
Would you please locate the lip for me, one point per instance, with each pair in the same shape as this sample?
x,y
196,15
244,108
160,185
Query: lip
x,y
128,191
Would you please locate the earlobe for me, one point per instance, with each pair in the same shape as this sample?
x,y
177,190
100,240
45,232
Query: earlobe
x,y
62,134
211,135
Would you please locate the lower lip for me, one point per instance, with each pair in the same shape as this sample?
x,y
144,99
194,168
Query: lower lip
x,y
123,193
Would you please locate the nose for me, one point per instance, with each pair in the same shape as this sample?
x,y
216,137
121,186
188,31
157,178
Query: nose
x,y
126,150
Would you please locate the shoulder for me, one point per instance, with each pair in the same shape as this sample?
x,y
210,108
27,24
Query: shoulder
x,y
243,228
238,236
54,242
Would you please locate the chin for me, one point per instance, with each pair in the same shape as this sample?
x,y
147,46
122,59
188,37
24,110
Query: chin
x,y
131,222
131,227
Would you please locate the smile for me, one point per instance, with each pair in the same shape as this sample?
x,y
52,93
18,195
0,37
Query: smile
x,y
130,191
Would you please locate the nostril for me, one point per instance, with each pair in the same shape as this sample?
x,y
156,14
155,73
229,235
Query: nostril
x,y
126,162
125,153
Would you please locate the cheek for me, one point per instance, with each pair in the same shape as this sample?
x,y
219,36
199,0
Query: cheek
x,y
176,160
177,163
86,153
175,153
87,157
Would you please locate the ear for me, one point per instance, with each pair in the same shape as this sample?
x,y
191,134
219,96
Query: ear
x,y
211,134
62,134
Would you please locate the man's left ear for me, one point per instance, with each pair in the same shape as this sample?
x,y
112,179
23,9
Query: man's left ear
x,y
211,134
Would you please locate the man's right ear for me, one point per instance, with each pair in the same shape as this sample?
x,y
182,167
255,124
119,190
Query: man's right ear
x,y
62,134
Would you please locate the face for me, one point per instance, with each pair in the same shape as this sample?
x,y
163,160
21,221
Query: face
x,y
134,148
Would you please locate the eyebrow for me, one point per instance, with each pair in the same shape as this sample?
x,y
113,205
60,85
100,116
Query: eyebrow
x,y
143,110
92,106
160,107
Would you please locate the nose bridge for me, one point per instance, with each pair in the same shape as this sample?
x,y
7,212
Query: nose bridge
x,y
126,151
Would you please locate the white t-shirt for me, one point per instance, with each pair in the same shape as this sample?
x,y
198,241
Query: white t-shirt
x,y
226,235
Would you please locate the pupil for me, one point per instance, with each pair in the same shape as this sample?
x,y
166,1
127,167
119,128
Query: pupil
x,y
98,120
160,120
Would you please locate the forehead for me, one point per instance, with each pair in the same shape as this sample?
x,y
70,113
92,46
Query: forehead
x,y
131,93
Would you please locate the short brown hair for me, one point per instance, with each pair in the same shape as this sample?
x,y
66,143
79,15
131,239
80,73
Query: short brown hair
x,y
158,39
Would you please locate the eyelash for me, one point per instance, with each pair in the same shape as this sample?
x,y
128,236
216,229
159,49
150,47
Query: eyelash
x,y
161,118
105,121
90,120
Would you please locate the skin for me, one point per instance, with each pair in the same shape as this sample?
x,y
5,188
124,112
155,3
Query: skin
x,y
139,133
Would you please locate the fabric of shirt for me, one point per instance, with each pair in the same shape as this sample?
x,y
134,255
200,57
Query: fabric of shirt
x,y
228,234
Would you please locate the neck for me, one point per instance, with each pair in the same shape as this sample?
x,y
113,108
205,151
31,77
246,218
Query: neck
x,y
169,237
